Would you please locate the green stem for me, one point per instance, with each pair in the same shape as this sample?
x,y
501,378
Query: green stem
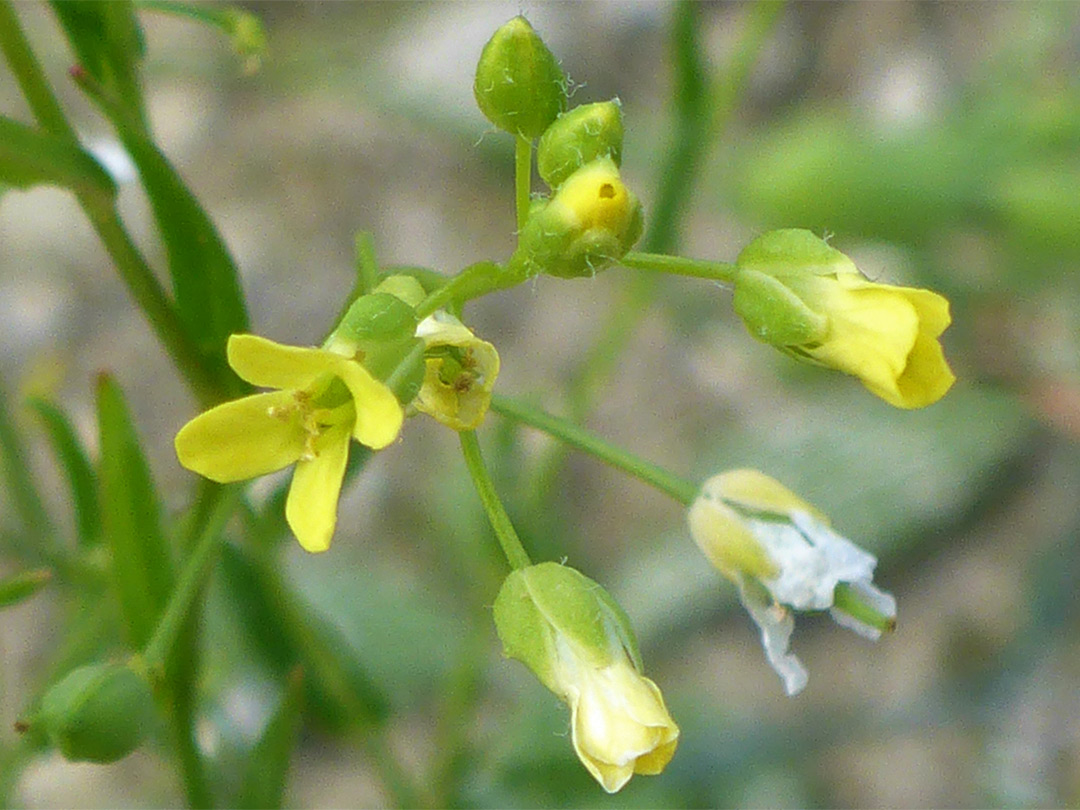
x,y
522,178
680,489
679,266
196,569
475,280
496,512
28,73
367,268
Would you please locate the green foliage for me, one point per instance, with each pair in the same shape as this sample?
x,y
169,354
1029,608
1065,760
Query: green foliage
x,y
31,157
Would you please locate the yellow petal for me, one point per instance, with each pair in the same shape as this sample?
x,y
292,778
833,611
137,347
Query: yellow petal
x,y
757,492
378,413
311,508
456,407
244,438
268,364
927,377
725,539
872,330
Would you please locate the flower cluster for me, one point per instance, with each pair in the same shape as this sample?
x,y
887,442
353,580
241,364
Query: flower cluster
x,y
402,349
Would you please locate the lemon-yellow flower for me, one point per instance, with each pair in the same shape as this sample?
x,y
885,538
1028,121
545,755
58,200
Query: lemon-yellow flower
x,y
810,300
324,400
781,554
459,375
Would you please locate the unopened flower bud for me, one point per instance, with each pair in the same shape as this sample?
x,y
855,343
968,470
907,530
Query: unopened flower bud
x,y
578,642
578,137
407,288
98,713
797,293
519,86
590,222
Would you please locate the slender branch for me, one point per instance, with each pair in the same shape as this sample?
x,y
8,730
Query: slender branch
x,y
29,75
678,266
680,489
496,512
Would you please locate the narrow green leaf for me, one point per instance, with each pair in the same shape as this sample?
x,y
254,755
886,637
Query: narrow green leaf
x,y
108,43
20,587
241,26
141,564
268,764
73,459
19,481
205,280
31,157
339,691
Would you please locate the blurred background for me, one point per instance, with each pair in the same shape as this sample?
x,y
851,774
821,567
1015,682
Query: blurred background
x,y
939,145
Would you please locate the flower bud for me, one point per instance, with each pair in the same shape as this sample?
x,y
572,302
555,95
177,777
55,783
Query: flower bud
x,y
578,642
797,293
519,86
376,317
407,288
98,713
783,557
591,221
578,137
460,372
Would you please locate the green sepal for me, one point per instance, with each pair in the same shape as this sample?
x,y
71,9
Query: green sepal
x,y
538,603
407,288
519,85
580,136
141,563
267,769
378,317
98,712
75,462
773,313
17,589
31,157
793,251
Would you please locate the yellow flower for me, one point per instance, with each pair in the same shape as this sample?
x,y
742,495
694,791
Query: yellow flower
x,y
460,372
783,557
618,721
578,641
325,398
796,292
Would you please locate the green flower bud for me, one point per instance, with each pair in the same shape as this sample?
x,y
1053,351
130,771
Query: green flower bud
x,y
98,713
519,86
578,137
592,221
379,317
407,288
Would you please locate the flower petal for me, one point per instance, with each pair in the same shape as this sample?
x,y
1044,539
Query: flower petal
x,y
927,377
378,413
244,438
268,364
776,623
311,508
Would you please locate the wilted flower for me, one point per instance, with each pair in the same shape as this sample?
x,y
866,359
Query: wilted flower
x,y
460,372
783,557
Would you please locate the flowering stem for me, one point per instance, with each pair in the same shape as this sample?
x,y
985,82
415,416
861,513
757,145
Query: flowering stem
x,y
475,280
522,178
678,266
192,577
496,512
678,488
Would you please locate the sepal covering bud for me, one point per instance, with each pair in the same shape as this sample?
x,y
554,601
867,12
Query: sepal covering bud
x,y
580,136
519,85
578,642
797,293
98,712
781,554
590,222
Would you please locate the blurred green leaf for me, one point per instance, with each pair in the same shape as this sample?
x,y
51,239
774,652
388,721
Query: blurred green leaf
x,y
20,483
268,766
108,43
30,157
338,689
205,281
141,562
241,26
21,587
75,462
